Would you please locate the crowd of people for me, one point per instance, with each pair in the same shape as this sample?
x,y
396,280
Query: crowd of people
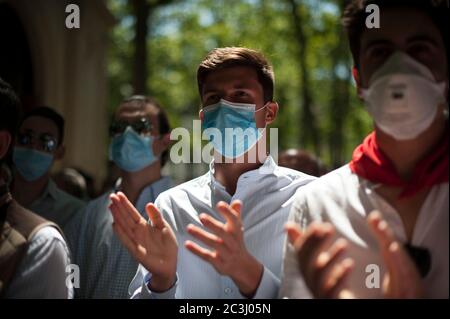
x,y
376,227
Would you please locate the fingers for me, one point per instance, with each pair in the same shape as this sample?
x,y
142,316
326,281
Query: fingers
x,y
201,252
294,232
231,215
209,239
236,205
333,285
212,224
326,258
314,241
126,206
381,230
155,216
403,277
121,216
121,221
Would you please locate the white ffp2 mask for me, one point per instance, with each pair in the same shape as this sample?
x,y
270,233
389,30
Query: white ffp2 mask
x,y
403,97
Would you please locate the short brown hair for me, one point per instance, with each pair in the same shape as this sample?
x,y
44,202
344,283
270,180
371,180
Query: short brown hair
x,y
221,58
354,18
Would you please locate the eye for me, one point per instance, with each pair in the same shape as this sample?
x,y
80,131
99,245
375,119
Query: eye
x,y
378,52
24,139
420,50
241,94
211,99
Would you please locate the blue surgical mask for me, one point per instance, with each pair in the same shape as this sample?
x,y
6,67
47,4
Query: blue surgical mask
x,y
239,118
131,151
30,163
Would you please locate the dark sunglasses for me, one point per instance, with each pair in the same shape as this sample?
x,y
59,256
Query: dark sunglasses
x,y
141,126
47,142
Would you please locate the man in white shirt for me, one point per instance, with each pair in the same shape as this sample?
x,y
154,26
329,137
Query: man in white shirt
x,y
378,227
237,210
139,141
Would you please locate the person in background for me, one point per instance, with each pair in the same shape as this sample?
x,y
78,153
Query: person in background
x,y
140,137
72,182
378,227
39,143
302,161
33,253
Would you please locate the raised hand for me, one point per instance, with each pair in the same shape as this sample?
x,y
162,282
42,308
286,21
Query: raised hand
x,y
325,275
152,245
319,259
228,254
402,279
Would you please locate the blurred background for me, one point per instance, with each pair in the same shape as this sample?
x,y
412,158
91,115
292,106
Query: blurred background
x,y
154,47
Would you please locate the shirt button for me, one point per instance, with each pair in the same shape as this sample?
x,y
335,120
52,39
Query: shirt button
x,y
227,290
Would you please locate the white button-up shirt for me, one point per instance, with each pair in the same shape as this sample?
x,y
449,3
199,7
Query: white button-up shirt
x,y
266,195
344,199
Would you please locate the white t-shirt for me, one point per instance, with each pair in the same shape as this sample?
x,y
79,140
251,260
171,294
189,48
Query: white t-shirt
x,y
344,199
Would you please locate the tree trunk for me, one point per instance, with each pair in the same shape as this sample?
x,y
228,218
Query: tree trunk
x,y
339,103
309,132
141,11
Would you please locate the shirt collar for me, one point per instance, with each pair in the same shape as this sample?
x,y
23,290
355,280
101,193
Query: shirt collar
x,y
269,167
50,190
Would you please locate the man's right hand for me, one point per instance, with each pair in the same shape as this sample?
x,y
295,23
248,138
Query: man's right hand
x,y
152,245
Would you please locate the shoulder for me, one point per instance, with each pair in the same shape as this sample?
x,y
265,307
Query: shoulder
x,y
42,270
47,244
294,175
95,203
333,187
67,199
182,190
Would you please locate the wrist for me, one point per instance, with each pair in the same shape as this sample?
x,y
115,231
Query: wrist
x,y
249,276
160,283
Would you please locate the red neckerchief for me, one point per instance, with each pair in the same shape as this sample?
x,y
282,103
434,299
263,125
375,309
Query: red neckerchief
x,y
370,163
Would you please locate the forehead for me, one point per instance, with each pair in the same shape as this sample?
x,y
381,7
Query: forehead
x,y
231,77
39,124
135,109
400,26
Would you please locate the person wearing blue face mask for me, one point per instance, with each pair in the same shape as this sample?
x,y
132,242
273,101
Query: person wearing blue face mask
x,y
39,143
140,138
33,253
237,209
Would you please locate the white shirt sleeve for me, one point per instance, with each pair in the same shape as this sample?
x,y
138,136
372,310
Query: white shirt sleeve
x,y
42,271
268,287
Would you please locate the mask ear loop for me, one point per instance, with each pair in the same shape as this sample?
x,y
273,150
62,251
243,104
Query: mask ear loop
x,y
260,135
265,105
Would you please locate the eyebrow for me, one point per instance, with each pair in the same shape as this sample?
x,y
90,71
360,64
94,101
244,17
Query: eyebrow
x,y
374,42
40,133
414,38
238,86
423,37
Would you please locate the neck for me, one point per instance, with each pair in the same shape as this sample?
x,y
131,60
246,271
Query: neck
x,y
26,192
228,173
134,182
406,154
